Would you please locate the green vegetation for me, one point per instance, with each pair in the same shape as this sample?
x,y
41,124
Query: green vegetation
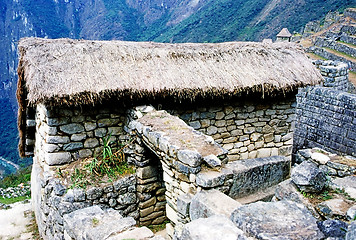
x,y
111,164
46,16
228,20
13,180
157,228
14,200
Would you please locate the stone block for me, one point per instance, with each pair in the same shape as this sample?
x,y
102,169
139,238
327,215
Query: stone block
x,y
89,126
133,233
57,158
252,175
213,202
183,204
57,139
211,130
146,172
214,227
72,128
171,214
212,160
211,179
191,158
73,146
284,219
308,177
78,137
95,223
91,143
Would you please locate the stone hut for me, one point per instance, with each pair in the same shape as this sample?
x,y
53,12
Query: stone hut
x,y
284,35
238,96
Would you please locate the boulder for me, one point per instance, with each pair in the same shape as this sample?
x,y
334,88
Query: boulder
x,y
212,228
334,208
348,184
351,231
213,202
308,177
351,213
333,228
277,220
142,233
287,190
95,223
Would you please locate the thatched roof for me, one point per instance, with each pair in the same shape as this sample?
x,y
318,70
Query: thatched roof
x,y
284,33
80,71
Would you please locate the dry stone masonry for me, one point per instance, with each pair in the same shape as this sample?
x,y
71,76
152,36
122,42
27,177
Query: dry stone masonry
x,y
335,75
326,119
246,130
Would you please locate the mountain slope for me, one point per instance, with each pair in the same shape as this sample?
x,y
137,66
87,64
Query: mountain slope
x,y
230,20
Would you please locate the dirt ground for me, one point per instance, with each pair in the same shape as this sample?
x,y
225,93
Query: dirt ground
x,y
14,222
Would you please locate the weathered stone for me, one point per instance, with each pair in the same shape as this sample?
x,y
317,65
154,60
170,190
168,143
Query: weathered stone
x,y
94,223
83,153
73,146
72,128
210,179
79,194
100,132
212,160
348,184
150,202
78,137
50,147
351,213
351,231
128,198
89,126
334,208
107,122
94,193
133,233
308,177
277,220
333,228
183,204
213,202
287,190
211,130
57,139
146,172
263,153
252,175
256,137
320,158
214,227
191,158
91,143
57,158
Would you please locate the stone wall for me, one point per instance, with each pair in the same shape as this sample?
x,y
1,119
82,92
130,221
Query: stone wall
x,y
325,54
331,43
246,129
335,75
52,199
326,118
67,134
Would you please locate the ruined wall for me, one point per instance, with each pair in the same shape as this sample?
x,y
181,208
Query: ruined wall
x,y
335,75
326,118
246,129
64,135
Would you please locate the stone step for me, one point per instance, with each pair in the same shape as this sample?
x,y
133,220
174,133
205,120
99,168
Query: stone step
x,y
264,195
245,177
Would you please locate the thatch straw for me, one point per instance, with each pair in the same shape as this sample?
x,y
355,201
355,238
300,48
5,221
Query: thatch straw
x,y
74,72
81,72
